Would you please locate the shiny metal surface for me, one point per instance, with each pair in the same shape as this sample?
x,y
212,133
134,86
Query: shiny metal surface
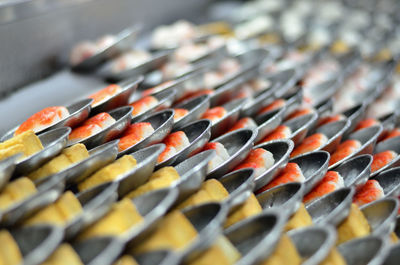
x,y
314,166
286,198
47,192
370,250
53,142
389,180
160,257
355,171
232,115
393,256
331,208
240,185
98,158
367,137
334,132
392,144
313,243
354,115
287,78
36,243
121,98
79,111
300,126
192,172
268,122
381,215
99,250
96,202
146,159
256,237
238,145
161,122
7,167
152,206
198,133
122,117
122,41
165,99
196,107
280,150
261,99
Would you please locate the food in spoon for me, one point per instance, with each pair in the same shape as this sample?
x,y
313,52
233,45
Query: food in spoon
x,y
142,105
26,143
249,208
134,134
10,254
175,142
221,155
344,150
179,114
309,144
332,181
16,191
91,127
214,114
259,159
281,132
291,173
382,159
104,94
354,226
246,122
371,191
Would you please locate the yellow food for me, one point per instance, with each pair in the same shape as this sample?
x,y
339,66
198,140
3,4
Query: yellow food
x,y
394,238
68,157
162,178
9,251
355,225
125,260
211,191
116,222
26,143
249,208
59,213
299,219
109,173
284,253
221,252
173,232
16,191
334,258
64,255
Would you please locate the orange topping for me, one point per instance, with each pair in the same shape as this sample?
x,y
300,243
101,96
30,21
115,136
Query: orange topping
x,y
291,173
329,183
343,150
382,159
330,119
394,133
134,134
100,119
214,114
300,112
105,93
311,143
143,105
45,117
180,113
84,131
281,132
370,192
365,124
273,106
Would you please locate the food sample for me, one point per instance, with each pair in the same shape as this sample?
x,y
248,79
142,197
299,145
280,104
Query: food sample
x,y
135,133
334,257
104,94
355,225
158,88
91,126
276,104
175,142
26,143
179,114
246,122
309,144
291,173
43,119
162,178
329,119
61,212
249,208
167,36
109,173
119,220
211,191
332,181
173,232
194,94
126,260
67,158
281,132
16,191
220,157
382,159
344,150
129,60
300,112
299,219
190,52
63,255
371,191
285,253
87,49
393,133
259,159
142,105
214,114
10,253
366,123
221,252
175,69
